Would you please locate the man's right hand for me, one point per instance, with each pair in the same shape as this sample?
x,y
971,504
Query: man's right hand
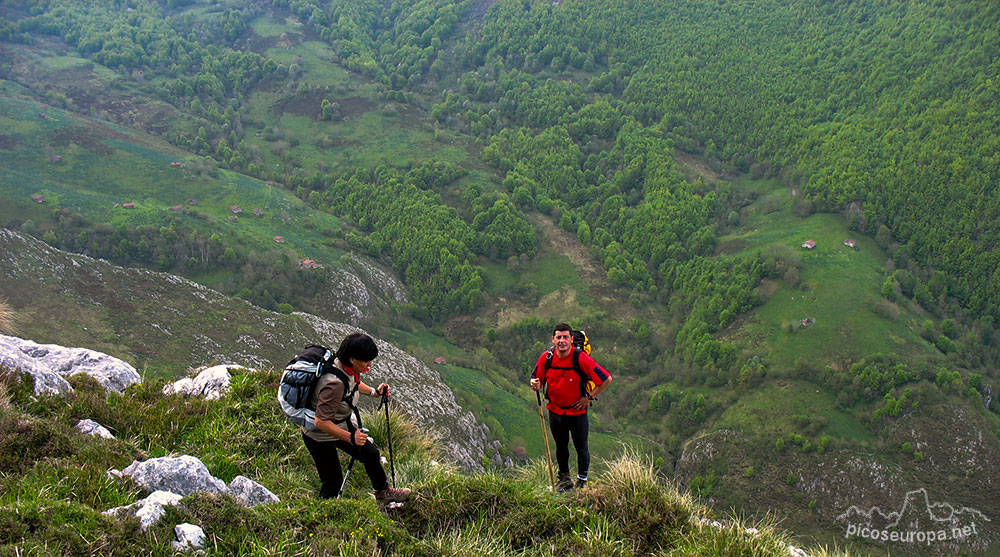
x,y
536,383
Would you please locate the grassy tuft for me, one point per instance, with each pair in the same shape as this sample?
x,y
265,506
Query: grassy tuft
x,y
474,540
26,440
651,515
9,381
408,438
735,537
7,317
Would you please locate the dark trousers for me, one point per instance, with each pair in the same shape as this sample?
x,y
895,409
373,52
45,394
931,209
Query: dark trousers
x,y
327,461
563,427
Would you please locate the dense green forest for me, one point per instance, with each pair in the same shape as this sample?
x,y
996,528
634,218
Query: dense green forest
x,y
582,114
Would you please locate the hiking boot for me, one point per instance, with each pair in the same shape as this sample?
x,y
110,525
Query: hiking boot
x,y
580,483
392,495
564,483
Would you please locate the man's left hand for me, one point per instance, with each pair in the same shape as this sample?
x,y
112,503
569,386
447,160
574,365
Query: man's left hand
x,y
382,390
582,404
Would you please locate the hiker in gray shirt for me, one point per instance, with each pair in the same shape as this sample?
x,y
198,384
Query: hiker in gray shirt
x,y
335,403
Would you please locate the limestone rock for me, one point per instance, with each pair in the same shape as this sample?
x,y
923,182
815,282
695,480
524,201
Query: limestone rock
x,y
251,493
50,364
189,537
183,475
150,510
796,552
180,387
90,427
211,383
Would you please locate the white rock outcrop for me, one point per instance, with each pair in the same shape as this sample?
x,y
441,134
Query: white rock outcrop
x,y
186,474
211,383
190,537
182,475
150,510
251,493
90,427
50,364
173,478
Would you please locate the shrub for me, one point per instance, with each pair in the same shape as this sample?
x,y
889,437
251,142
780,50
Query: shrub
x,y
824,442
26,440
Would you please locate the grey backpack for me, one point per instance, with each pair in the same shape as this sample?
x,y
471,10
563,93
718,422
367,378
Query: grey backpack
x,y
299,379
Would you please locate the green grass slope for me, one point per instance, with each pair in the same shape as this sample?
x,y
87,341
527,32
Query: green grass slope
x,y
368,129
102,166
836,285
53,488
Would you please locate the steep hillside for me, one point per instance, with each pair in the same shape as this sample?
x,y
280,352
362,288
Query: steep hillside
x,y
846,399
93,187
165,324
55,488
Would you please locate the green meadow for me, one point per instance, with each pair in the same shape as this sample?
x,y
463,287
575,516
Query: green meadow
x,y
837,286
549,272
312,57
56,67
268,27
369,131
103,166
756,414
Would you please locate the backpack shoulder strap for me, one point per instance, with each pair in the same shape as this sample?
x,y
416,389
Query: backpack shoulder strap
x,y
549,354
348,398
579,371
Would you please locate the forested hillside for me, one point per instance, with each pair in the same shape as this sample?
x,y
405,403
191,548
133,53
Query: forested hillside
x,y
647,170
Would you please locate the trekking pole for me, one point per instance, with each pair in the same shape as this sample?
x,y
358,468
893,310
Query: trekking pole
x,y
388,432
545,435
350,465
346,475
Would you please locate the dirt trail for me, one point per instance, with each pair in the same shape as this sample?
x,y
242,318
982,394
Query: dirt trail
x,y
693,166
559,241
552,239
592,273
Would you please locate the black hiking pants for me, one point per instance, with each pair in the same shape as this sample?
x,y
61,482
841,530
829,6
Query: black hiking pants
x,y
327,461
577,427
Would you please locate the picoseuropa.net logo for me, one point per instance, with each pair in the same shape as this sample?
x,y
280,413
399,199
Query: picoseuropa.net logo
x,y
918,521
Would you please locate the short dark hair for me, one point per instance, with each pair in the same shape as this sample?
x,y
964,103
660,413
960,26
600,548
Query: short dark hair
x,y
562,327
359,346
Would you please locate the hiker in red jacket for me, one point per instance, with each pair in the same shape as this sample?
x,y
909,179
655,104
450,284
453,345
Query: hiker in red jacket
x,y
566,370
